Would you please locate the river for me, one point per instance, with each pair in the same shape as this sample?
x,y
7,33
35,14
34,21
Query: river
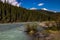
x,y
14,31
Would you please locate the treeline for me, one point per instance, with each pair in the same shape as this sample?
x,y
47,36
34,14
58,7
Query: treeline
x,y
9,13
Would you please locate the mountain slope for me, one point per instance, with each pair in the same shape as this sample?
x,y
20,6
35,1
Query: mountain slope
x,y
9,13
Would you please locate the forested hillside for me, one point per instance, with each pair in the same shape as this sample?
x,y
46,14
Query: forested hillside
x,y
9,13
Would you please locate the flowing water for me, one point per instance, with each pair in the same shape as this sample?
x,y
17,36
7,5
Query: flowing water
x,y
14,32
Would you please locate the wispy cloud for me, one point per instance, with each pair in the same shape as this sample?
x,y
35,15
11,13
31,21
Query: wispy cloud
x,y
48,10
44,8
33,8
40,4
12,2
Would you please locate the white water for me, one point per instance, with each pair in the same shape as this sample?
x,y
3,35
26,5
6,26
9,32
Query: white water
x,y
12,32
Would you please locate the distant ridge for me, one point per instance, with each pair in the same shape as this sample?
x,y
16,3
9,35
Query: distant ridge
x,y
9,13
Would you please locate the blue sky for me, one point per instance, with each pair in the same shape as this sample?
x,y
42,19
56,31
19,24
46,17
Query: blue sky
x,y
41,4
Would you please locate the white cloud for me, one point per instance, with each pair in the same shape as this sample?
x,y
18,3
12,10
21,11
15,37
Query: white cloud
x,y
48,10
18,4
55,11
3,1
40,4
44,9
33,8
12,2
52,11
